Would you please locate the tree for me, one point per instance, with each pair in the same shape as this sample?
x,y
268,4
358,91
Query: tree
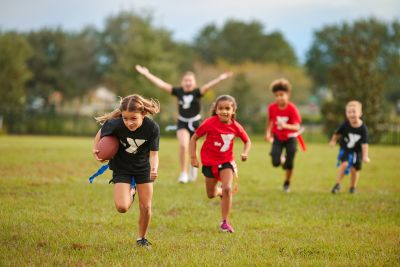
x,y
80,70
14,51
238,42
355,61
130,39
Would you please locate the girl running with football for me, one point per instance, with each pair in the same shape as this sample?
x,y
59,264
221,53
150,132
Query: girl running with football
x,y
137,156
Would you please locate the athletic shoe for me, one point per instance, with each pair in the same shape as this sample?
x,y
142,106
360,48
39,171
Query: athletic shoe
x,y
286,187
143,242
226,227
192,173
336,189
352,190
183,178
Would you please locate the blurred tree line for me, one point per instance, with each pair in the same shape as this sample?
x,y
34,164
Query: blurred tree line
x,y
34,66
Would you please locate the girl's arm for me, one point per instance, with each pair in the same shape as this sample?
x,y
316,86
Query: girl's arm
x,y
154,79
214,82
365,156
268,135
293,127
334,139
95,150
153,158
192,150
246,150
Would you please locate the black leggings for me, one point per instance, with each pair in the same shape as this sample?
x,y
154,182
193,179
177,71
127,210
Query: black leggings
x,y
290,146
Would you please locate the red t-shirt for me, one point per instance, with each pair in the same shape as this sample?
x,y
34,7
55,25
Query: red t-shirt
x,y
218,146
289,115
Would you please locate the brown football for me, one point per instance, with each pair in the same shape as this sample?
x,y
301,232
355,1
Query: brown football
x,y
108,147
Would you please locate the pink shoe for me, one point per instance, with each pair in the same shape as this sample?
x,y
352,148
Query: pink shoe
x,y
226,227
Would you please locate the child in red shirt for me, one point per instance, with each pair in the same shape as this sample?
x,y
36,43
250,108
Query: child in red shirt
x,y
217,153
282,127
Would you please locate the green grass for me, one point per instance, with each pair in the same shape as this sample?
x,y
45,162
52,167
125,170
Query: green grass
x,y
50,214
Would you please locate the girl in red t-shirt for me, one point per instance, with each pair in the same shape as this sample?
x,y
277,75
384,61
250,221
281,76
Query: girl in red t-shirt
x,y
282,128
217,153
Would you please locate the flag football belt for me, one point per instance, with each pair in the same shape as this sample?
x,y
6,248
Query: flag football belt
x,y
350,160
190,121
102,169
215,172
299,138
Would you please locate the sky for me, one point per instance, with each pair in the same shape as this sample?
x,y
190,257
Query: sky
x,y
296,19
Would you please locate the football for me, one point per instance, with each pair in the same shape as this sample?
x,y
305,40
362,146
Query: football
x,y
108,147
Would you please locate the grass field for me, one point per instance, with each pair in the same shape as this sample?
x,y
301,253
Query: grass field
x,y
50,214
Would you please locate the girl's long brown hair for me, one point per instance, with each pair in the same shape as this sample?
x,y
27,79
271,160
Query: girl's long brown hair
x,y
132,103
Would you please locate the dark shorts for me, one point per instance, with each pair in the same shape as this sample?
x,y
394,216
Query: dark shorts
x,y
127,179
357,159
185,125
207,171
290,146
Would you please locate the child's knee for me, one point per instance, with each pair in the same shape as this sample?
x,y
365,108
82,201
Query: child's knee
x,y
145,208
227,190
121,208
276,162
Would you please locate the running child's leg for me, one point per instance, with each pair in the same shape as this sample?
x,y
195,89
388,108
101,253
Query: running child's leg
x,y
122,197
212,188
340,176
354,177
226,201
276,152
341,171
145,192
288,165
183,136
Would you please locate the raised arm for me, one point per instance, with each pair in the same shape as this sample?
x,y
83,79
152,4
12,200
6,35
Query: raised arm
x,y
214,82
154,79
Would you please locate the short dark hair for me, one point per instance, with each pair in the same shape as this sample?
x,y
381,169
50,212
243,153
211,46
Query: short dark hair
x,y
281,85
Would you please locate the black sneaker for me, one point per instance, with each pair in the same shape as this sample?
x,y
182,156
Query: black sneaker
x,y
143,243
352,190
336,189
286,187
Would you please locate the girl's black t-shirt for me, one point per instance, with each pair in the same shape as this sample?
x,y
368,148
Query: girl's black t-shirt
x,y
352,138
134,147
189,102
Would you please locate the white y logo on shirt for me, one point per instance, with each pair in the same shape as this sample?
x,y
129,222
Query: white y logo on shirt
x,y
187,100
226,138
280,119
134,144
353,138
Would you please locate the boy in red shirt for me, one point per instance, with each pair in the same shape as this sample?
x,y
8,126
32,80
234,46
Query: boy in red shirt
x,y
217,153
281,130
